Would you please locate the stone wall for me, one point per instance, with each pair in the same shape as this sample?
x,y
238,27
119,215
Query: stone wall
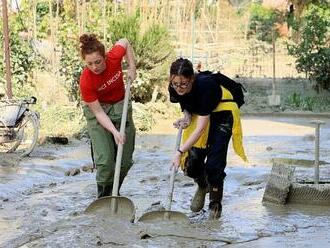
x,y
258,90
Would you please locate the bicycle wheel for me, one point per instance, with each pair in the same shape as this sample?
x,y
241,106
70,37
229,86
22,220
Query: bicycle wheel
x,y
27,135
7,144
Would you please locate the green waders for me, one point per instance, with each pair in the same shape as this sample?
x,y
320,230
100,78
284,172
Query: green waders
x,y
105,148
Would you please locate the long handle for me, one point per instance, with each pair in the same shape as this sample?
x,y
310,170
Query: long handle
x,y
172,178
317,155
121,146
317,123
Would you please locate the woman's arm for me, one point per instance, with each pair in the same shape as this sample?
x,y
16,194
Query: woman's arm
x,y
202,122
183,122
105,121
129,57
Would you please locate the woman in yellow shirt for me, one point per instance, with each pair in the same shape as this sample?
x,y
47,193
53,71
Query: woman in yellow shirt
x,y
211,123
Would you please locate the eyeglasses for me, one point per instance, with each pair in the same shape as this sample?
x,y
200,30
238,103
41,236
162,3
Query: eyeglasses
x,y
182,85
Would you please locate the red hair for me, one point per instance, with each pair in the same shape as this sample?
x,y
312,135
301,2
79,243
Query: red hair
x,y
90,44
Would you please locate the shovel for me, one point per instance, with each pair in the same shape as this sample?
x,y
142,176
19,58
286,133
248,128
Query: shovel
x,y
167,215
116,206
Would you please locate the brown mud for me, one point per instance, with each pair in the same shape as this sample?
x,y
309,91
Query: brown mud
x,y
41,207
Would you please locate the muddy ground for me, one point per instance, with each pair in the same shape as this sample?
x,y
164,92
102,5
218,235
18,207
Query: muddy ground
x,y
41,207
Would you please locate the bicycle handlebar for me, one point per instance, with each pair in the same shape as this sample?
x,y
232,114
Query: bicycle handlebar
x,y
32,100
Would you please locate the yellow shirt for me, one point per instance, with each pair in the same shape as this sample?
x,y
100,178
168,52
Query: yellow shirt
x,y
237,135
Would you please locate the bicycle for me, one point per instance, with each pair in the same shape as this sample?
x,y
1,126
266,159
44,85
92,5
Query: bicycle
x,y
19,126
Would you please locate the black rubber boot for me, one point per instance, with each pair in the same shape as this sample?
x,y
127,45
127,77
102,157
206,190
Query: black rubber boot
x,y
215,207
198,201
104,190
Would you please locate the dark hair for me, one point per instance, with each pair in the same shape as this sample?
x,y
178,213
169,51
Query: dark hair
x,y
182,67
90,44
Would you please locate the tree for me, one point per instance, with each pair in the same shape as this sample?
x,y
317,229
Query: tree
x,y
300,5
262,22
313,49
295,13
23,57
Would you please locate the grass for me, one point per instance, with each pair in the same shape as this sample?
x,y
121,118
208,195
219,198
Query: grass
x,y
60,120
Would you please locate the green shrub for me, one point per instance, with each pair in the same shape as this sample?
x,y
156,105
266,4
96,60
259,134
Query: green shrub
x,y
153,53
308,103
23,60
312,52
262,22
70,70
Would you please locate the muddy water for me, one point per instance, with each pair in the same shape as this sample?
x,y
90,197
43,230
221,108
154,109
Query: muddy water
x,y
40,207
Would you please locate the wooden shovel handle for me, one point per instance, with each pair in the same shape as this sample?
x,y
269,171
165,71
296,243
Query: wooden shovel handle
x,y
173,172
121,146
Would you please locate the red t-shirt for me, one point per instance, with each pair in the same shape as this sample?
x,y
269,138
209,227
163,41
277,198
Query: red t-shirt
x,y
108,86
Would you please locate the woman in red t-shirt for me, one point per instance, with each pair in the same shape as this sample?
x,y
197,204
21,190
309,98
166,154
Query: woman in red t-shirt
x,y
102,91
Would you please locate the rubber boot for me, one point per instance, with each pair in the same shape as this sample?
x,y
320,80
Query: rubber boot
x,y
104,190
198,201
215,207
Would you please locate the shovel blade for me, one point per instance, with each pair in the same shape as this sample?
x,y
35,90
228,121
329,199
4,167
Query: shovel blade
x,y
112,207
157,216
